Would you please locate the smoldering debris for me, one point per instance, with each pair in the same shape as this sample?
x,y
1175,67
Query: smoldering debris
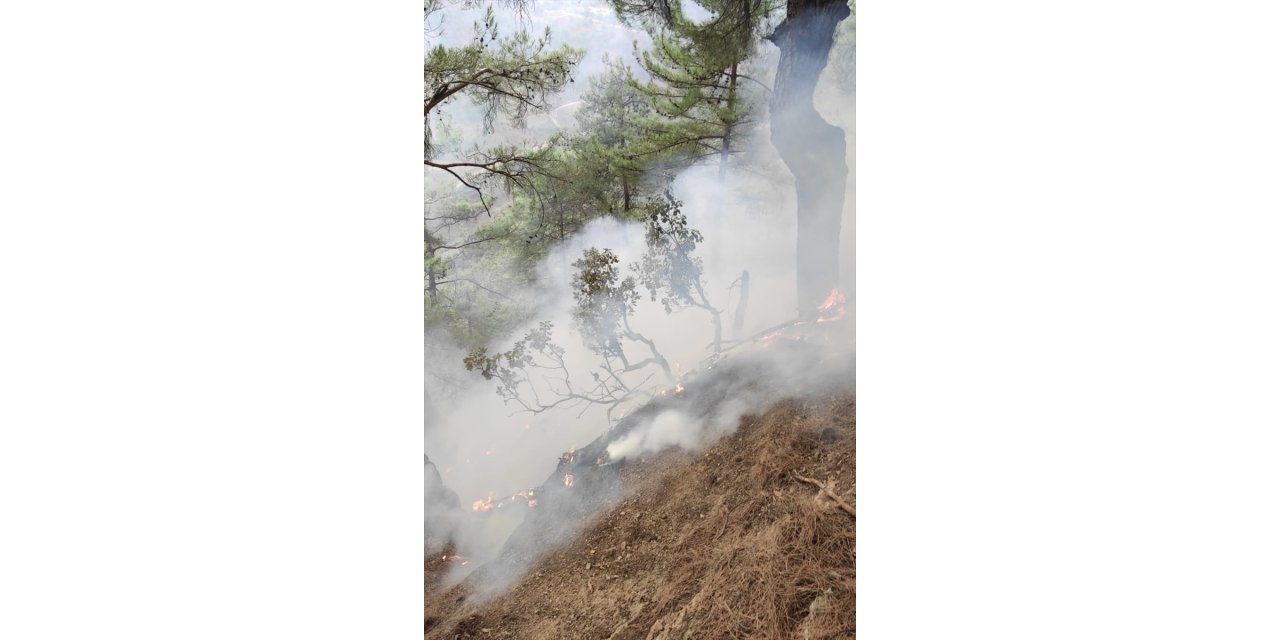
x,y
712,405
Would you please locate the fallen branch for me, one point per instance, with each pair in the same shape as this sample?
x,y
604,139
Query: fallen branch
x,y
828,489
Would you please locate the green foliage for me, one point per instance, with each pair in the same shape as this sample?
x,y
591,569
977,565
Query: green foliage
x,y
603,300
614,123
697,72
632,138
668,270
506,76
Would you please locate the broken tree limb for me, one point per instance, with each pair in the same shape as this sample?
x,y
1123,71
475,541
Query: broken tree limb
x,y
828,489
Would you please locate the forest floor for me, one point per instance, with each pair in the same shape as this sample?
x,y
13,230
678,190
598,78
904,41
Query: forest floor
x,y
752,538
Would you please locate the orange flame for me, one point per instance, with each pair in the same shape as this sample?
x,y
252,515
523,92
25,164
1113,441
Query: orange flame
x,y
833,307
483,505
454,559
568,479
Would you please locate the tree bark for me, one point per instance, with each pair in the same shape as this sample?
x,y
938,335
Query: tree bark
x,y
728,130
812,148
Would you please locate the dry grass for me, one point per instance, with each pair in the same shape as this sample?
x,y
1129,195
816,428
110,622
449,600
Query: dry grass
x,y
724,544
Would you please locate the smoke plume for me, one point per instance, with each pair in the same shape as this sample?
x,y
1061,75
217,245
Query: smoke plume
x,y
488,450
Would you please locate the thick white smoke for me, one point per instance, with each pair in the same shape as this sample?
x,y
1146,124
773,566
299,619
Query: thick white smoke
x,y
483,447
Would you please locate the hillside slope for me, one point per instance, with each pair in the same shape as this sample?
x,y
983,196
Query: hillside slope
x,y
739,541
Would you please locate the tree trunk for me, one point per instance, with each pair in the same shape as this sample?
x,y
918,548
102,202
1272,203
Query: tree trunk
x,y
728,130
744,293
812,148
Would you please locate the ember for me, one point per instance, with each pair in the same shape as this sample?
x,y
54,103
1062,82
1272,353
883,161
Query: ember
x,y
483,505
568,479
454,559
833,307
490,504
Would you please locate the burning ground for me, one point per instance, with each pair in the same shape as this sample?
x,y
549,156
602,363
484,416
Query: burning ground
x,y
723,510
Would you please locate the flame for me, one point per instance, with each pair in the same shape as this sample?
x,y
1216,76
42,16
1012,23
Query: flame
x,y
679,388
454,559
483,505
533,503
489,503
832,307
568,479
768,339
833,299
488,452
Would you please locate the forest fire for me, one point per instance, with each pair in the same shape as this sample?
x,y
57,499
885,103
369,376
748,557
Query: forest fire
x,y
483,505
832,308
568,479
455,558
490,504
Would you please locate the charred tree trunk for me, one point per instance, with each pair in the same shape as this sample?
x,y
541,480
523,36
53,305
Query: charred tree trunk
x,y
812,148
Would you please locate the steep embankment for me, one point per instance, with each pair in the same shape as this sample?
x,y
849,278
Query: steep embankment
x,y
751,538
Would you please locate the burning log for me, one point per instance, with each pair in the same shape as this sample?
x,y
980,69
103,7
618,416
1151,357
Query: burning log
x,y
832,308
489,504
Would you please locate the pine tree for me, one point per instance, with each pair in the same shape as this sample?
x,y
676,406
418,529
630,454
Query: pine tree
x,y
615,129
506,76
696,71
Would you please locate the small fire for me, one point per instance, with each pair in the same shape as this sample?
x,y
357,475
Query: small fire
x,y
679,388
454,559
768,339
833,299
488,452
568,479
833,307
483,505
533,503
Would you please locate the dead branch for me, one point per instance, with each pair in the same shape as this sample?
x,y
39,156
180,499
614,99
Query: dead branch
x,y
828,489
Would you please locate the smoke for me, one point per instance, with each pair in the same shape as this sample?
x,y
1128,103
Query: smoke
x,y
719,401
670,428
484,447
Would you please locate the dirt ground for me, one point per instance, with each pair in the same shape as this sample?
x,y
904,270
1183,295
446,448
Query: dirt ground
x,y
753,538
